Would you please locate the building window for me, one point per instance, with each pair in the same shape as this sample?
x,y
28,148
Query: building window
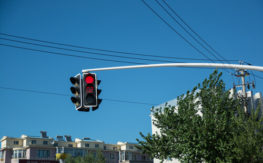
x,y
16,142
70,145
43,153
128,156
94,154
19,153
122,155
134,157
33,142
78,152
45,142
97,145
55,144
130,147
73,151
105,147
114,148
87,145
112,156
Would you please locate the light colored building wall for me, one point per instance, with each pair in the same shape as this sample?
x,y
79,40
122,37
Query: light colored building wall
x,y
66,144
32,141
14,160
112,147
127,146
91,144
8,142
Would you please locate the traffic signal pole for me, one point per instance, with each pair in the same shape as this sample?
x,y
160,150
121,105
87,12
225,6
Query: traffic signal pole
x,y
193,65
240,68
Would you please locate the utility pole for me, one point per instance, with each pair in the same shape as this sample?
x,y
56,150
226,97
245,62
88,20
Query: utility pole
x,y
242,73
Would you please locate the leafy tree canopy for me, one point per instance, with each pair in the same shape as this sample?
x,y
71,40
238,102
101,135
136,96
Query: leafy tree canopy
x,y
207,125
96,157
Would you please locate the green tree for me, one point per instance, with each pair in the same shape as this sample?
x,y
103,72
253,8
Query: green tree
x,y
249,138
207,125
96,157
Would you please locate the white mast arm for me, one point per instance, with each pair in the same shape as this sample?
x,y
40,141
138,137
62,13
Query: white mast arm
x,y
200,65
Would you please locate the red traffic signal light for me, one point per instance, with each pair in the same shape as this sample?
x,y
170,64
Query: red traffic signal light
x,y
89,90
85,92
89,79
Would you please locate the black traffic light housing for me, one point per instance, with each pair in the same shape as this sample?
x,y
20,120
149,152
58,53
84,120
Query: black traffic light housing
x,y
85,92
76,89
91,91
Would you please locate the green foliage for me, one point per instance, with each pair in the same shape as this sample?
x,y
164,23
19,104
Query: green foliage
x,y
96,157
207,125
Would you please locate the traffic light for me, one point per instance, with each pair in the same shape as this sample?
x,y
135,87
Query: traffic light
x,y
90,91
98,100
76,89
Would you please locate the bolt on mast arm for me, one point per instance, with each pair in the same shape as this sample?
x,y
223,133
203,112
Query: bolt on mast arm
x,y
200,65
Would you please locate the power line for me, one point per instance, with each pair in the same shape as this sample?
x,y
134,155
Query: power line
x,y
67,95
68,55
104,50
189,27
81,51
33,91
200,43
185,29
173,29
257,76
124,101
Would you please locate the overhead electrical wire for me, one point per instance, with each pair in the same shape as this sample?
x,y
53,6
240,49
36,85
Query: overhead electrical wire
x,y
132,102
67,95
191,35
174,19
191,29
33,91
173,29
257,76
81,51
68,55
97,49
198,36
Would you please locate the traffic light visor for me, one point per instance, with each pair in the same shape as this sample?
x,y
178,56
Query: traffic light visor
x,y
74,80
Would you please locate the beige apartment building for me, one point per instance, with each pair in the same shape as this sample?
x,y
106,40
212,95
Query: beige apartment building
x,y
44,149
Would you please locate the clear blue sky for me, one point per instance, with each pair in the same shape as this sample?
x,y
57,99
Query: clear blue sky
x,y
233,28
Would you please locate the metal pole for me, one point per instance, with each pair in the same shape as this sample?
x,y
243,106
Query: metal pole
x,y
241,68
243,73
204,65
